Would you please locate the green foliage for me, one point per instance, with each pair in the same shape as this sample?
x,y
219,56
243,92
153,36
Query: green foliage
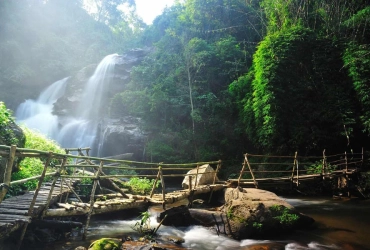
x,y
106,243
7,135
141,185
283,215
317,168
357,60
36,140
143,226
296,99
257,226
86,186
30,167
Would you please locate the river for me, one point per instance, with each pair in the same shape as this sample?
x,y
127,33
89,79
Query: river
x,y
340,224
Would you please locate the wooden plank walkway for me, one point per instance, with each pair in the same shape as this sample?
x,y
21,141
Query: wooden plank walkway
x,y
134,201
14,210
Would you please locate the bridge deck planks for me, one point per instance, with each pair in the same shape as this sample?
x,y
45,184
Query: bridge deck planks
x,y
14,210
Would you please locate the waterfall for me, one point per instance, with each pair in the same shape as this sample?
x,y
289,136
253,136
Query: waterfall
x,y
71,131
37,114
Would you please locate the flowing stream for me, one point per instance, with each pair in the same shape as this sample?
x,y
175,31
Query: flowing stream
x,y
340,224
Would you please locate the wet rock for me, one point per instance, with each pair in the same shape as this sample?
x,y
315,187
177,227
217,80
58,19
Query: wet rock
x,y
177,217
173,238
80,248
259,212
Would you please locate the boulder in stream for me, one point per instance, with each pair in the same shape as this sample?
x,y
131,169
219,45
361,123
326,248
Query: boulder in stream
x,y
252,213
206,175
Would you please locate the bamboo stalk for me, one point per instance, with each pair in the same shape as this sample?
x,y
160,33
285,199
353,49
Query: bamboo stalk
x,y
72,190
294,165
30,178
346,161
52,188
155,183
163,187
241,171
30,210
250,169
92,200
196,178
8,172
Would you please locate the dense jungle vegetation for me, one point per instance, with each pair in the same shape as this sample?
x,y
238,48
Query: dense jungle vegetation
x,y
225,77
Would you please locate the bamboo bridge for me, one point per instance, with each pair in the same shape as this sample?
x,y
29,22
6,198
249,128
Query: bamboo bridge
x,y
57,194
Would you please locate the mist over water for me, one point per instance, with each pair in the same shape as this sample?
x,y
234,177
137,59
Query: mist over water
x,y
74,130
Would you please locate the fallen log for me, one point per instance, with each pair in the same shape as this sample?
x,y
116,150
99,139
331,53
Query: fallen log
x,y
61,212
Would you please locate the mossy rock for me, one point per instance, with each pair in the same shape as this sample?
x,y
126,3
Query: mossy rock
x,y
106,244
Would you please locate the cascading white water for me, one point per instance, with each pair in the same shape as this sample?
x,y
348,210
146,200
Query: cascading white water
x,y
37,114
80,129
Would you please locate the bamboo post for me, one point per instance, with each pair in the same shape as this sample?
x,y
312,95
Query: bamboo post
x,y
19,243
214,180
297,172
217,169
362,157
196,178
250,169
163,188
30,210
64,161
72,190
346,160
242,171
155,183
92,200
8,172
191,193
294,165
323,163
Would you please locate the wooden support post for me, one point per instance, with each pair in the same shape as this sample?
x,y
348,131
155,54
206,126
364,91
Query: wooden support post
x,y
346,160
92,200
8,172
56,176
297,172
250,169
294,166
30,210
323,163
19,243
196,178
155,183
242,171
163,188
191,192
217,169
72,190
362,157
214,179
